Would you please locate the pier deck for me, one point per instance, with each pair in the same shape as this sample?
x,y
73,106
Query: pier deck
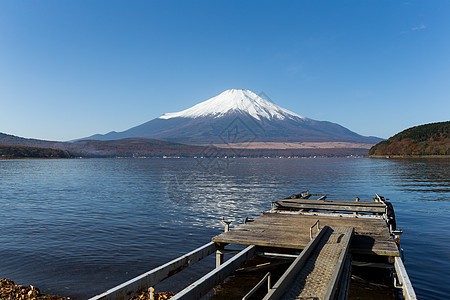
x,y
284,230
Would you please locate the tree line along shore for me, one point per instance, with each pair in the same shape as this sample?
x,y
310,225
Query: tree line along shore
x,y
7,152
429,140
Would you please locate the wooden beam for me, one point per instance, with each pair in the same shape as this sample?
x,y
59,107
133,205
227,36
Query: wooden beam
x,y
202,286
327,214
277,255
219,258
346,203
402,275
345,279
333,207
332,286
151,278
267,278
280,286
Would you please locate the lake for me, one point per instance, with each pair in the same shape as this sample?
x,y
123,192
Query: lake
x,y
78,227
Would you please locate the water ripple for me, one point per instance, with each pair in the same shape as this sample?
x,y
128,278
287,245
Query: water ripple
x,y
79,227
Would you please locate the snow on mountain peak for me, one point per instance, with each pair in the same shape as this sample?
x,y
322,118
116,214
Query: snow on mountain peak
x,y
235,100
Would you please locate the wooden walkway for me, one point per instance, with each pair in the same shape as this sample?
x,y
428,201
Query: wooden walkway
x,y
284,230
315,273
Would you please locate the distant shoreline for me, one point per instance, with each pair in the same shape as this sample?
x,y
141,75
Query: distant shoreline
x,y
6,158
15,151
293,145
194,157
409,156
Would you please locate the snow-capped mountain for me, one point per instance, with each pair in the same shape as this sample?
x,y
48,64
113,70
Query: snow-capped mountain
x,y
235,101
238,116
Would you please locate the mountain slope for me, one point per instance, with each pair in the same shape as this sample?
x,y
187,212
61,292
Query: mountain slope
x,y
428,139
131,147
237,116
15,147
12,140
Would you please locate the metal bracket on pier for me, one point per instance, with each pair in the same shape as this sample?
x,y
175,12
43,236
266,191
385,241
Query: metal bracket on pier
x,y
226,224
356,200
311,228
219,253
396,234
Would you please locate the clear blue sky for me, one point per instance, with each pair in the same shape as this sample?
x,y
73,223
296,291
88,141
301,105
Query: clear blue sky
x,y
70,69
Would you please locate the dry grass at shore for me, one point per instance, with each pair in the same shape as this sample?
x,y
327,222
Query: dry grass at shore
x,y
11,291
151,294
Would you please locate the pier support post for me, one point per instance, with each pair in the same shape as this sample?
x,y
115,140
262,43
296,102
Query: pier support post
x,y
219,253
219,258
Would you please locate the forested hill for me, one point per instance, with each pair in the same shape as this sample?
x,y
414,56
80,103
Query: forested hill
x,y
31,152
428,139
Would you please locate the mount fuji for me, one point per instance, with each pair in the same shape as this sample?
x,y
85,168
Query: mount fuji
x,y
238,116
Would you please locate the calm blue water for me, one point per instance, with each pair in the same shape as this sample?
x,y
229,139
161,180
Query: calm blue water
x,y
79,227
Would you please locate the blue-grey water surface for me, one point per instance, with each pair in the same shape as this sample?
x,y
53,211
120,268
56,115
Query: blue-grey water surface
x,y
78,227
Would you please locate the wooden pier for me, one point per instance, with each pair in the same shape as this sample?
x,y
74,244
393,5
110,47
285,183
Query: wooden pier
x,y
318,239
292,230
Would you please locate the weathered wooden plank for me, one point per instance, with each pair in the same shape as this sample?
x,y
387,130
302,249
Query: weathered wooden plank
x,y
334,207
371,236
345,203
297,222
267,278
295,237
280,286
293,221
408,290
314,279
130,288
202,286
359,244
345,279
339,266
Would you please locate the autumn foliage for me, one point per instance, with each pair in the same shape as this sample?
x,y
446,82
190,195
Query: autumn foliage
x,y
31,152
429,139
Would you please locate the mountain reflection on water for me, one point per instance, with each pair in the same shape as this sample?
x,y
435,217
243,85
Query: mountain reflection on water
x,y
79,227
